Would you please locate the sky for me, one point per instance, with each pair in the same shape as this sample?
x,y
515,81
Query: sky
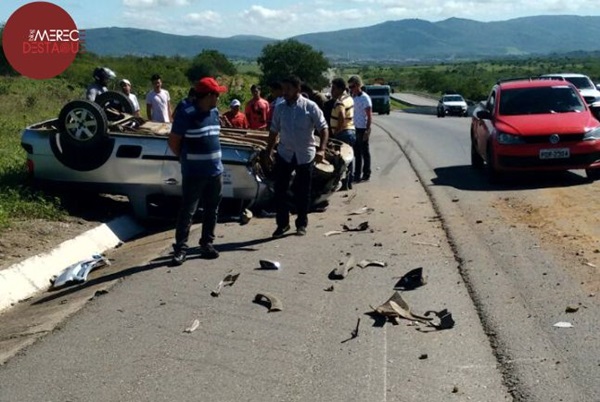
x,y
282,19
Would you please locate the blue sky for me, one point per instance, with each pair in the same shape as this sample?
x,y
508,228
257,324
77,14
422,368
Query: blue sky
x,y
284,18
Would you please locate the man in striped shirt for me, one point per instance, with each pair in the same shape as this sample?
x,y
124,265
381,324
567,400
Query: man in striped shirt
x,y
194,139
342,122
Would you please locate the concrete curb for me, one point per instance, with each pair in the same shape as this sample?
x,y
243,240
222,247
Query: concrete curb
x,y
28,277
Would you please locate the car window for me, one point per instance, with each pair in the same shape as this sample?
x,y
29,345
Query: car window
x,y
453,98
540,100
491,102
581,82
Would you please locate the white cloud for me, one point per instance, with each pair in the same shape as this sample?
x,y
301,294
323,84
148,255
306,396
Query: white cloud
x,y
205,17
155,3
260,15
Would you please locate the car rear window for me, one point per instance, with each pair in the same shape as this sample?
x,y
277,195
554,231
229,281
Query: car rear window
x,y
540,100
453,98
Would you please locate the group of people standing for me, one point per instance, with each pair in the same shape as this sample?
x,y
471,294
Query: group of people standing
x,y
292,120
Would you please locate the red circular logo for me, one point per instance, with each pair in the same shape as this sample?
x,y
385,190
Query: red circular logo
x,y
40,40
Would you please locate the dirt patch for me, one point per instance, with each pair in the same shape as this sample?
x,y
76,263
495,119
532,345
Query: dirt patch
x,y
568,219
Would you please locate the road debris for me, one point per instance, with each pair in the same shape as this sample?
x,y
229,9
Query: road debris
x,y
572,308
371,263
589,264
194,326
272,302
329,289
360,228
78,272
332,233
396,308
229,280
411,280
246,216
563,324
363,210
354,333
423,356
269,264
421,243
342,271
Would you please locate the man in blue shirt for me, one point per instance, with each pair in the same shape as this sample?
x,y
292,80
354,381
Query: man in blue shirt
x,y
194,138
294,122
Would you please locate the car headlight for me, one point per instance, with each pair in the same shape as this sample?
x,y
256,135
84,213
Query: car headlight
x,y
592,135
509,139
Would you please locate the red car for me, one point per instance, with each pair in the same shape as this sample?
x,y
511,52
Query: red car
x,y
535,124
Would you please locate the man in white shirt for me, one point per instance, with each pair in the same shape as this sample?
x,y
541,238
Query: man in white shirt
x,y
362,121
125,85
158,102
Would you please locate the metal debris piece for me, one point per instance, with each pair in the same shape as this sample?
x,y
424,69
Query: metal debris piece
x,y
274,302
246,216
342,271
269,264
572,308
411,280
78,272
229,280
363,210
360,228
333,232
396,307
354,333
372,263
192,327
563,324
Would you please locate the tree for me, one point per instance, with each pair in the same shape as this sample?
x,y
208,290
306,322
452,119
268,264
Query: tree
x,y
210,63
290,57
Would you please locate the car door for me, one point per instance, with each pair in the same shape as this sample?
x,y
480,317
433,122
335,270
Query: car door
x,y
483,127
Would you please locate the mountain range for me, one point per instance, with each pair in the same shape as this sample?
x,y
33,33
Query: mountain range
x,y
402,40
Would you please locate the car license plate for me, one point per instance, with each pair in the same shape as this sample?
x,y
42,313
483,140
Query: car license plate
x,y
555,153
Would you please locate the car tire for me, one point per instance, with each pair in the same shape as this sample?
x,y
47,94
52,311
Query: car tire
x,y
114,104
593,174
494,176
477,161
81,141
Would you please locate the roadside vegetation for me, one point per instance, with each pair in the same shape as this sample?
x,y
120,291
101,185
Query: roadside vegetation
x,y
24,101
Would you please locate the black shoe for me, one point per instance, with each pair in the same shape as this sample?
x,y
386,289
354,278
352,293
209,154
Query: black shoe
x,y
301,231
208,251
280,231
179,257
366,178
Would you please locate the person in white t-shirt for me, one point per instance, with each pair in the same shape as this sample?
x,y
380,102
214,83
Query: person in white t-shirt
x,y
362,121
158,102
125,85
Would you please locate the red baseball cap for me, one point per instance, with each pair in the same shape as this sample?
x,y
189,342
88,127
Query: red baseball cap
x,y
209,84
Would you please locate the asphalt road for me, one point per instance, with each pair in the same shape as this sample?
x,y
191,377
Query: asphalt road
x,y
129,344
504,286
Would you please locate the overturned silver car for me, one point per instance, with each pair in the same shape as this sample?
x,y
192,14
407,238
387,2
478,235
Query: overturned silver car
x,y
100,146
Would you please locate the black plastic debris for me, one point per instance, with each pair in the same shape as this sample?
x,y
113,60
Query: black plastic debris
x,y
269,300
411,280
342,271
229,280
269,264
360,228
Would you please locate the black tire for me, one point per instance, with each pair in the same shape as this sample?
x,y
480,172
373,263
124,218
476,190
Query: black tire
x,y
82,142
476,159
82,124
593,174
114,104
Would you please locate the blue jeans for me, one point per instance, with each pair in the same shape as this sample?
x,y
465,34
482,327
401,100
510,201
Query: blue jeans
x,y
302,190
349,137
203,191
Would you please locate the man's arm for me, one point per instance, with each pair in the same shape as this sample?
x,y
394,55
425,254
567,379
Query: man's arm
x,y
175,143
369,113
339,117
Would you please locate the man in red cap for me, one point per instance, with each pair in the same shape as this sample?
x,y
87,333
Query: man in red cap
x,y
194,139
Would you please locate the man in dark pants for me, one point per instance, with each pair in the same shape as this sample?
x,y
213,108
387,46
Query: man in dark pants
x,y
195,139
294,122
362,121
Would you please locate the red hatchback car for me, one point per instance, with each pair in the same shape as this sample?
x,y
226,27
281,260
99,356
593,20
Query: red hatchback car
x,y
535,124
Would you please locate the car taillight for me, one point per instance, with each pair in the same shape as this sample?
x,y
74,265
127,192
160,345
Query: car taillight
x,y
30,167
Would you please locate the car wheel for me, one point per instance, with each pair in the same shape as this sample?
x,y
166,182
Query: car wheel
x,y
82,124
82,142
593,174
476,159
114,104
494,176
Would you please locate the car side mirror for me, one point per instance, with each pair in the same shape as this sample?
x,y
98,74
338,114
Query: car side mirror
x,y
598,87
483,114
